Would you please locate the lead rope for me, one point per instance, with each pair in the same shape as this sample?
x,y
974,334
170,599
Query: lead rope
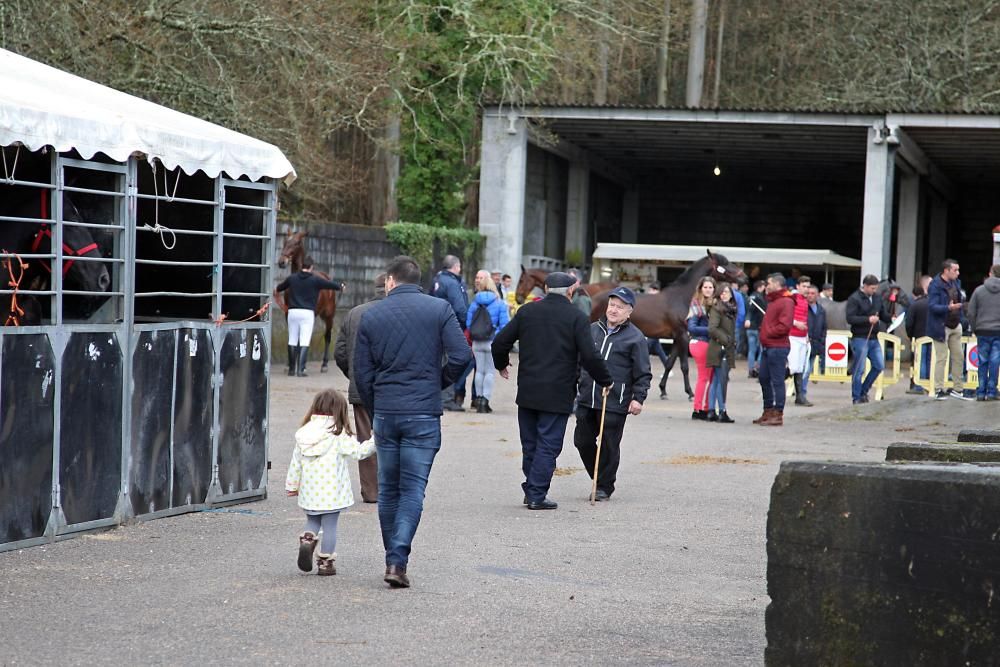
x,y
224,317
157,228
9,176
15,313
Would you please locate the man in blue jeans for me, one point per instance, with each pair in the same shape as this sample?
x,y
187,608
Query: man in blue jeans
x,y
555,341
399,376
984,317
864,310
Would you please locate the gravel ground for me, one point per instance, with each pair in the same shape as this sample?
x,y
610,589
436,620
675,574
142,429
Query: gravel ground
x,y
670,571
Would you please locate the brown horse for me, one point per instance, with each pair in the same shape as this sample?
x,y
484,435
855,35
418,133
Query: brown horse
x,y
664,315
294,253
532,278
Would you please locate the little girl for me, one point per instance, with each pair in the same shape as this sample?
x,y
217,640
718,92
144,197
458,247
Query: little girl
x,y
318,475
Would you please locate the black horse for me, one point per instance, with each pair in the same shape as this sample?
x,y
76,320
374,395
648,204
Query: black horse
x,y
34,238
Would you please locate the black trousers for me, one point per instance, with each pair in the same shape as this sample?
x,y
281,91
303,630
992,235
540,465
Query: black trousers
x,y
588,423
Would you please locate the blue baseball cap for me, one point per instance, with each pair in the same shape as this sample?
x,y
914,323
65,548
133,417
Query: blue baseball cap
x,y
625,294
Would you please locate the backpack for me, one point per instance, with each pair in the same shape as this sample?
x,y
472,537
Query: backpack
x,y
482,327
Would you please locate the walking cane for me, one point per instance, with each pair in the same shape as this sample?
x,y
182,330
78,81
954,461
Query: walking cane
x,y
597,459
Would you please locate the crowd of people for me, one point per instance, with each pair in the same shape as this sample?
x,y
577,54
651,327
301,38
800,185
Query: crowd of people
x,y
408,355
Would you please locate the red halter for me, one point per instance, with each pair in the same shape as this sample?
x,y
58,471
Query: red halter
x,y
80,252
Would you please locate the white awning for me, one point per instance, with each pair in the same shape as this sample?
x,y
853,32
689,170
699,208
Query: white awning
x,y
43,106
638,252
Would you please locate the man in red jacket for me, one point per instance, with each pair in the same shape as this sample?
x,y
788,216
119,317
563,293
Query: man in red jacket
x,y
774,330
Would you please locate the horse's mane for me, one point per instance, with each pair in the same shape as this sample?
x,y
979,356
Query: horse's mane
x,y
695,271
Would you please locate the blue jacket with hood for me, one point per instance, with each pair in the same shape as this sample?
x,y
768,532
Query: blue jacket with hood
x,y
494,305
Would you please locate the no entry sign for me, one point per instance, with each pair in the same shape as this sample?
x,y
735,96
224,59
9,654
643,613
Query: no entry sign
x,y
972,355
836,351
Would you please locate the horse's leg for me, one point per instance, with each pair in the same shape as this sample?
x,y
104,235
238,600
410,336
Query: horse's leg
x,y
684,371
328,321
667,367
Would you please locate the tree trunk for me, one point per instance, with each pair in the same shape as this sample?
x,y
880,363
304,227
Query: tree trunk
x,y
603,53
696,53
718,54
662,79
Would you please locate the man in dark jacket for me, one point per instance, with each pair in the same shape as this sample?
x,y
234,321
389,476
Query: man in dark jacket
x,y
984,318
555,340
623,347
864,310
945,318
303,292
756,307
397,369
774,344
449,285
916,327
343,355
816,321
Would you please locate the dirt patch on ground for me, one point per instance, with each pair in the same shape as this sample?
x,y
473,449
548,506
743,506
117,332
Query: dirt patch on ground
x,y
562,472
706,460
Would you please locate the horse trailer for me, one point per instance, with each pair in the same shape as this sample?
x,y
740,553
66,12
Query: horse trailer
x,y
136,246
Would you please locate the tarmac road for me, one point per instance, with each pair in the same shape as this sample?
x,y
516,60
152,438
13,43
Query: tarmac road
x,y
671,571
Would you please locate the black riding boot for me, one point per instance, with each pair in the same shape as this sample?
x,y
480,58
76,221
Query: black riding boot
x,y
799,398
303,355
293,357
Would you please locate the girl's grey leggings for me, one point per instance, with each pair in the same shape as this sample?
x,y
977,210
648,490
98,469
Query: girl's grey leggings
x,y
482,351
328,522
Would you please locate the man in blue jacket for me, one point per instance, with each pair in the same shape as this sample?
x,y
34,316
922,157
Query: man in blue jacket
x,y
448,285
398,373
944,325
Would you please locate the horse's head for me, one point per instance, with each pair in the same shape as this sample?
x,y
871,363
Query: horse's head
x,y
723,270
293,251
524,285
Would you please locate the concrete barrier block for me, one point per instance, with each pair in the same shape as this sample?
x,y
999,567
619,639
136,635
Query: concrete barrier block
x,y
979,435
888,564
958,453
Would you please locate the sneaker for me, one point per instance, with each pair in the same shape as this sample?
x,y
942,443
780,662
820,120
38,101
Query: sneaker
x,y
941,396
960,395
981,398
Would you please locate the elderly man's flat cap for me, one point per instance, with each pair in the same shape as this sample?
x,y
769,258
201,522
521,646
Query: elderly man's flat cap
x,y
558,279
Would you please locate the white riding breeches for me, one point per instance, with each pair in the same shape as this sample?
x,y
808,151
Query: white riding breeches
x,y
300,326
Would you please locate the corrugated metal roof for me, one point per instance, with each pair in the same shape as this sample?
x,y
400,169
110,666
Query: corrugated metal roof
x,y
869,111
640,252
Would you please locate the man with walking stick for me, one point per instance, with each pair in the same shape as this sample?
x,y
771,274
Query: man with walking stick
x,y
624,349
555,340
864,310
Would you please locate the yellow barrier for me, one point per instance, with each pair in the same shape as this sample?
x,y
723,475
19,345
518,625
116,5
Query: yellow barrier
x,y
924,346
837,366
891,374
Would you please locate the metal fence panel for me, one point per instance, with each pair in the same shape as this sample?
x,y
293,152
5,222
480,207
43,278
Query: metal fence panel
x,y
27,368
243,411
193,417
153,384
91,426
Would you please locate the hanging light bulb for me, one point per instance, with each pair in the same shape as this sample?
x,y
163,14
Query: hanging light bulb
x,y
717,171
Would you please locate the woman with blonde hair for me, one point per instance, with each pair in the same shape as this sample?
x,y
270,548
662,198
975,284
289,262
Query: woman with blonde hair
x,y
486,316
697,324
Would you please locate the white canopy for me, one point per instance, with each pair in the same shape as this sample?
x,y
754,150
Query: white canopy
x,y
638,252
43,106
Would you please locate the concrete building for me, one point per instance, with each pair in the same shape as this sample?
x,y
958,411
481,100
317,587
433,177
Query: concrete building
x,y
900,191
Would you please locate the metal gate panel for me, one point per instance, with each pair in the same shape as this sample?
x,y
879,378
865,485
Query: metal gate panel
x,y
193,417
27,369
243,411
152,396
91,426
